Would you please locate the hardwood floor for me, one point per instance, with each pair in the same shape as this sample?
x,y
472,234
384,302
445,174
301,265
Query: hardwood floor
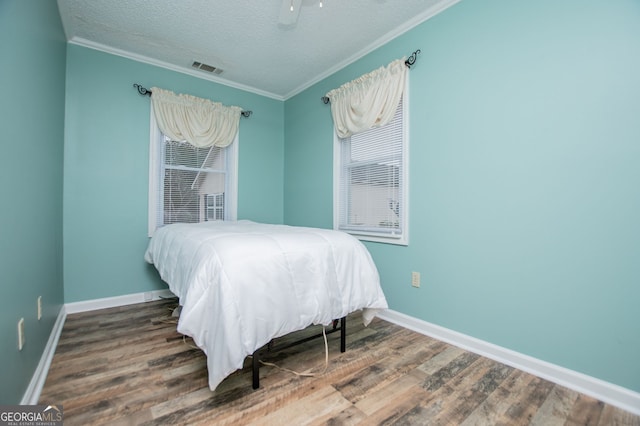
x,y
128,365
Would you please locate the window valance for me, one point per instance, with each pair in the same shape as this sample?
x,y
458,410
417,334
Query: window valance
x,y
198,121
368,101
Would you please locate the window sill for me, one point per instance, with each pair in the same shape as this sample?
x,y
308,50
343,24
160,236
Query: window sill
x,y
398,241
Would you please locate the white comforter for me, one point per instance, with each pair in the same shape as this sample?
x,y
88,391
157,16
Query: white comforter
x,y
243,283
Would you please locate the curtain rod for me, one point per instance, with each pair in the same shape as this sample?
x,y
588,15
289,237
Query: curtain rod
x,y
409,62
146,92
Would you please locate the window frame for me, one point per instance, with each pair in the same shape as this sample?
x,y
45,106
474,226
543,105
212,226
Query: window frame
x,y
156,141
380,237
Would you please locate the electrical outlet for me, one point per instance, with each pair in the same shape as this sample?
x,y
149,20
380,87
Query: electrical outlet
x,y
415,279
20,334
39,307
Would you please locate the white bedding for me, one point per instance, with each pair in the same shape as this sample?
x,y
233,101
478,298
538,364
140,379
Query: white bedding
x,y
244,283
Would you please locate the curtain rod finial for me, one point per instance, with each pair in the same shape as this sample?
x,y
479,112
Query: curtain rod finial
x,y
412,59
325,99
142,90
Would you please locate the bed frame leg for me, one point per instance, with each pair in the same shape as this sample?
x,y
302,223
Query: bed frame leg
x,y
256,369
343,334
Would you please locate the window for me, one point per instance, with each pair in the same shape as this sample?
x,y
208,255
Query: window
x,y
214,205
370,182
189,184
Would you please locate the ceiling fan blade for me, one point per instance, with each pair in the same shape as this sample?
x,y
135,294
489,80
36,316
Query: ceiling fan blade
x,y
287,16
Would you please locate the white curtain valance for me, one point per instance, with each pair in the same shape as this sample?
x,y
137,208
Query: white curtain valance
x,y
198,121
368,101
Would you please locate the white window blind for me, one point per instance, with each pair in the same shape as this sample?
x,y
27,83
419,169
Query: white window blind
x,y
191,176
371,182
188,184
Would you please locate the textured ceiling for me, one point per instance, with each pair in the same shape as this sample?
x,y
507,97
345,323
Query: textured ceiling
x,y
244,38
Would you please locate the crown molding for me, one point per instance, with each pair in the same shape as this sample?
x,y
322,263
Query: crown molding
x,y
79,41
410,24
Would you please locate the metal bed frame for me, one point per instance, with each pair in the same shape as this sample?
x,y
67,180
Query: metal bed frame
x,y
270,346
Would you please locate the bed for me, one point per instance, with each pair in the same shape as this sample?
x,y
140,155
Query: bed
x,y
242,284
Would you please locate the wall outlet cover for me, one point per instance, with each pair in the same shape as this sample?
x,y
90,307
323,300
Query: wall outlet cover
x,y
20,334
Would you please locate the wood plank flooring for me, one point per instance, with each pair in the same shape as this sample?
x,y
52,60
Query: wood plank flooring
x,y
128,365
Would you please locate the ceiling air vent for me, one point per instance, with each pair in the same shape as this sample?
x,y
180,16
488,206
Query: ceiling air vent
x,y
205,67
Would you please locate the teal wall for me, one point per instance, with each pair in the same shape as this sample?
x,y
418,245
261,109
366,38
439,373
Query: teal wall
x,y
524,165
106,168
32,70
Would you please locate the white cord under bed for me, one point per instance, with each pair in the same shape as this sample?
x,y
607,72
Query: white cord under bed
x,y
303,374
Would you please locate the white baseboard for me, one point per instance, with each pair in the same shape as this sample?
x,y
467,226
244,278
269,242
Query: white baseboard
x,y
113,302
609,393
32,394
